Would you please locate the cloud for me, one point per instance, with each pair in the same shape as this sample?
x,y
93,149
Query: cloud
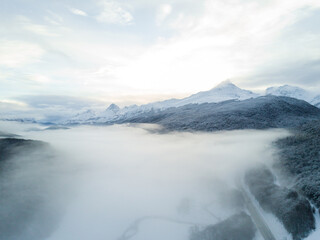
x,y
114,13
39,29
193,47
147,169
57,101
9,107
53,18
304,74
78,12
19,53
163,12
39,78
229,39
50,107
13,102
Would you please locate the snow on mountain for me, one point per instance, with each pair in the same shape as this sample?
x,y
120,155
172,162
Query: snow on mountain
x,y
290,91
233,114
222,92
111,111
83,115
316,101
161,104
226,90
91,116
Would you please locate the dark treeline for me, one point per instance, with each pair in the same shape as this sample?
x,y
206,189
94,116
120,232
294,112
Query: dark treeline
x,y
299,160
292,209
258,113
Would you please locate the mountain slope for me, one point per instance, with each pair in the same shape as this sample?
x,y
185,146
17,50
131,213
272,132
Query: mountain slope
x,y
290,91
224,91
90,116
258,113
299,157
316,101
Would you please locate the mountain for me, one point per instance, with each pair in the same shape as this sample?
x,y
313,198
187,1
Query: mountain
x,y
81,117
226,90
91,116
295,92
316,101
113,108
109,113
290,91
255,113
222,92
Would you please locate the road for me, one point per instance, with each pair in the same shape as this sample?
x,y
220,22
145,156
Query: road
x,y
257,218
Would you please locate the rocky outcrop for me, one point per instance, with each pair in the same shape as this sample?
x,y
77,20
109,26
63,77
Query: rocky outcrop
x,y
236,227
292,209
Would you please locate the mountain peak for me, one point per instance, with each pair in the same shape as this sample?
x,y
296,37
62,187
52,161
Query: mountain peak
x,y
289,91
285,87
225,84
113,107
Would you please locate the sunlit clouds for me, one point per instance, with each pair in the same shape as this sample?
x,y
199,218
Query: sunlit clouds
x,y
78,12
114,13
113,49
14,54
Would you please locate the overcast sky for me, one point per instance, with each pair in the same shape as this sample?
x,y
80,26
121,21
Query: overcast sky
x,y
144,50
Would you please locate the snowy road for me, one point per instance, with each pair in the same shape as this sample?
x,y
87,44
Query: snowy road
x,y
257,218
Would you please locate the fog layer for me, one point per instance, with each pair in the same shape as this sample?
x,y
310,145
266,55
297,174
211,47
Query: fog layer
x,y
155,186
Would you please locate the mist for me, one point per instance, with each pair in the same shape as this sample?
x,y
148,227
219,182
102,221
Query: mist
x,y
130,182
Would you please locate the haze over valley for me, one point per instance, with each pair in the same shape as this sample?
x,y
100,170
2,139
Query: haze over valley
x,y
100,189
159,120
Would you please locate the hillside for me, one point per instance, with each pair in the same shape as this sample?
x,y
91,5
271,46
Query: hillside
x,y
299,160
258,113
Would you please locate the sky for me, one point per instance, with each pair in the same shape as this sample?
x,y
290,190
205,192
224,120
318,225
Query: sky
x,y
97,51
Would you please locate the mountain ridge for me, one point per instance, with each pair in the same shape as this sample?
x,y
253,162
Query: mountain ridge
x,y
257,113
224,91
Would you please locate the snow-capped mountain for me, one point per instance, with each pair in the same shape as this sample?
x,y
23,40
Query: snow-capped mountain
x,y
222,92
290,91
295,92
91,116
79,117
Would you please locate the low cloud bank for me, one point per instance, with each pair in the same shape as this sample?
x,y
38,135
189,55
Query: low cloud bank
x,y
155,186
